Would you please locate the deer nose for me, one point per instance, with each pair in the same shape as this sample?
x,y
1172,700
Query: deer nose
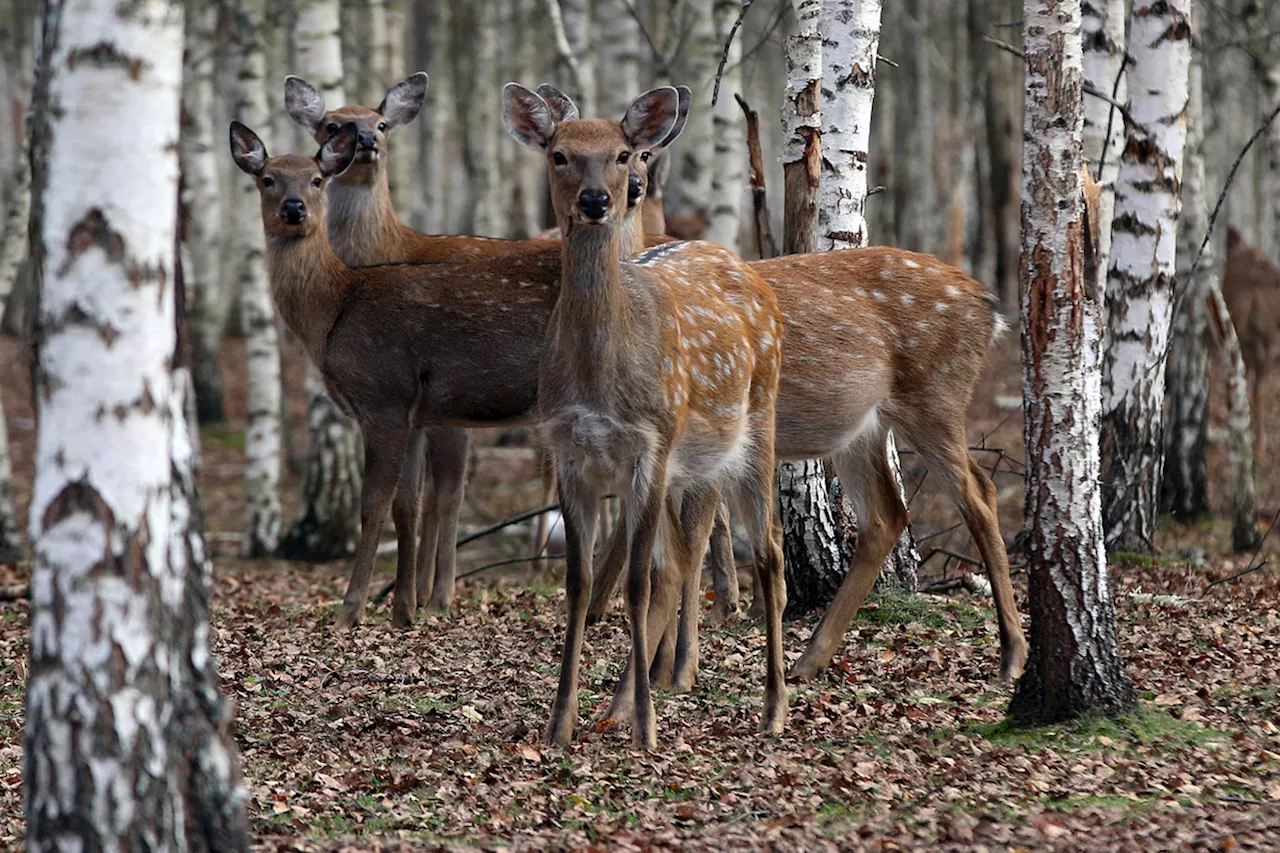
x,y
368,141
634,187
594,203
294,210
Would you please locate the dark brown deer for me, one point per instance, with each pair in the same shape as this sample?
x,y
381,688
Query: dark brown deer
x,y
388,341
658,380
1251,287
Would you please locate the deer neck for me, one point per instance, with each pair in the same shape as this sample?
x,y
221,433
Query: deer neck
x,y
632,239
592,325
363,226
653,216
308,282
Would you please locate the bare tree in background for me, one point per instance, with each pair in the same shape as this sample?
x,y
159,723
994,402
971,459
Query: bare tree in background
x,y
729,137
696,66
1104,41
1074,666
263,438
917,216
1139,294
482,109
127,744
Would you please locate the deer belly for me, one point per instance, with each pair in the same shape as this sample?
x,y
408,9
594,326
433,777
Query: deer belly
x,y
710,455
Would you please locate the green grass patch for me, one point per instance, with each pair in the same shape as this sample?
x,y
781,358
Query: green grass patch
x,y
223,436
1142,726
1132,558
927,610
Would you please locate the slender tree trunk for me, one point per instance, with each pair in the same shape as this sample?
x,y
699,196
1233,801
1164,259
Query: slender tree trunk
x,y
329,524
263,439
729,134
482,123
620,57
127,744
202,206
17,25
572,19
406,186
13,250
918,205
1185,490
1074,666
1000,130
1104,41
527,184
372,80
1140,281
697,62
436,25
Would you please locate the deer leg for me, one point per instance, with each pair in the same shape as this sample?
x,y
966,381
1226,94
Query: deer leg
x,y
756,609
869,483
608,569
648,515
756,501
384,456
724,574
406,508
541,526
429,526
579,512
448,450
701,512
662,670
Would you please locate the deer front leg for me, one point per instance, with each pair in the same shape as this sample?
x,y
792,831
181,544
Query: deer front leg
x,y
405,510
384,456
645,526
580,511
448,450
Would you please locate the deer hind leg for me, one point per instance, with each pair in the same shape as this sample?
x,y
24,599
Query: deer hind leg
x,y
579,512
385,449
448,450
608,573
643,526
724,574
756,501
662,670
869,483
406,508
541,526
975,495
675,663
429,527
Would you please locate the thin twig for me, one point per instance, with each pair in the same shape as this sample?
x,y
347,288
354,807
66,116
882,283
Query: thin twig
x,y
1111,114
539,556
964,558
876,190
1089,88
1249,567
563,49
724,54
887,61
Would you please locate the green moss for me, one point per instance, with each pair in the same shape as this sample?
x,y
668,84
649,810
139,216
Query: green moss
x,y
222,436
1132,558
928,610
1142,726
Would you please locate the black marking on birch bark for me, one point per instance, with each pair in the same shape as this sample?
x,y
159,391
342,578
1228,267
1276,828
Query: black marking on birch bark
x,y
105,55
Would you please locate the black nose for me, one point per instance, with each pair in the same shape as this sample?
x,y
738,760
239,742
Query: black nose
x,y
634,188
594,203
368,141
294,210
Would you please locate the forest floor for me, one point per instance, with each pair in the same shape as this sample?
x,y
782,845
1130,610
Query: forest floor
x,y
428,738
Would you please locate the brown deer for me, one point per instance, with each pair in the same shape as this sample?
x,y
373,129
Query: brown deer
x,y
1251,287
658,380
387,342
875,338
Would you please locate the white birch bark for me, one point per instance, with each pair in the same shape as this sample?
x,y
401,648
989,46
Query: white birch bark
x,y
122,750
917,218
486,219
620,55
1185,487
373,82
1074,665
729,136
435,150
13,250
406,187
1140,280
1104,42
576,15
329,523
263,438
202,207
697,67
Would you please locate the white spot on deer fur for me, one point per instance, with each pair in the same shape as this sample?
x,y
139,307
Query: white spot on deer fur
x,y
952,291
907,299
860,292
880,297
910,264
884,273
859,330
921,325
940,307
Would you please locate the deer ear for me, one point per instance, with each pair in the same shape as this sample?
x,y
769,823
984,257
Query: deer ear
x,y
527,117
682,115
404,100
659,168
247,149
651,117
562,106
338,151
304,103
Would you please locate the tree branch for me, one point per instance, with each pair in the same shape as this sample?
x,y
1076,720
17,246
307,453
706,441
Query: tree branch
x,y
563,51
724,54
1089,88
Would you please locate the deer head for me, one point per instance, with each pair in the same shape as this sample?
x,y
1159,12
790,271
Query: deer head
x,y
589,160
401,105
292,187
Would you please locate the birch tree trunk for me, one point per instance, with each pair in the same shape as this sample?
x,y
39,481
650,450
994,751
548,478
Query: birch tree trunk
x,y
1244,496
620,56
482,120
437,23
1185,488
729,137
13,250
1104,41
1074,666
262,443
127,743
577,28
329,524
1140,280
406,187
202,205
372,81
697,65
917,217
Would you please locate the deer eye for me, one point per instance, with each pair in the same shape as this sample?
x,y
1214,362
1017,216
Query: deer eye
x,y
332,127
382,126
317,181
268,182
559,159
624,156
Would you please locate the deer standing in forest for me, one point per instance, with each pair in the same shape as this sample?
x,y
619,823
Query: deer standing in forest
x,y
876,338
658,380
1251,288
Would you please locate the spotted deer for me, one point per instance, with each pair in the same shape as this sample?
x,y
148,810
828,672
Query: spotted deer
x,y
658,380
364,230
876,338
400,347
1251,288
